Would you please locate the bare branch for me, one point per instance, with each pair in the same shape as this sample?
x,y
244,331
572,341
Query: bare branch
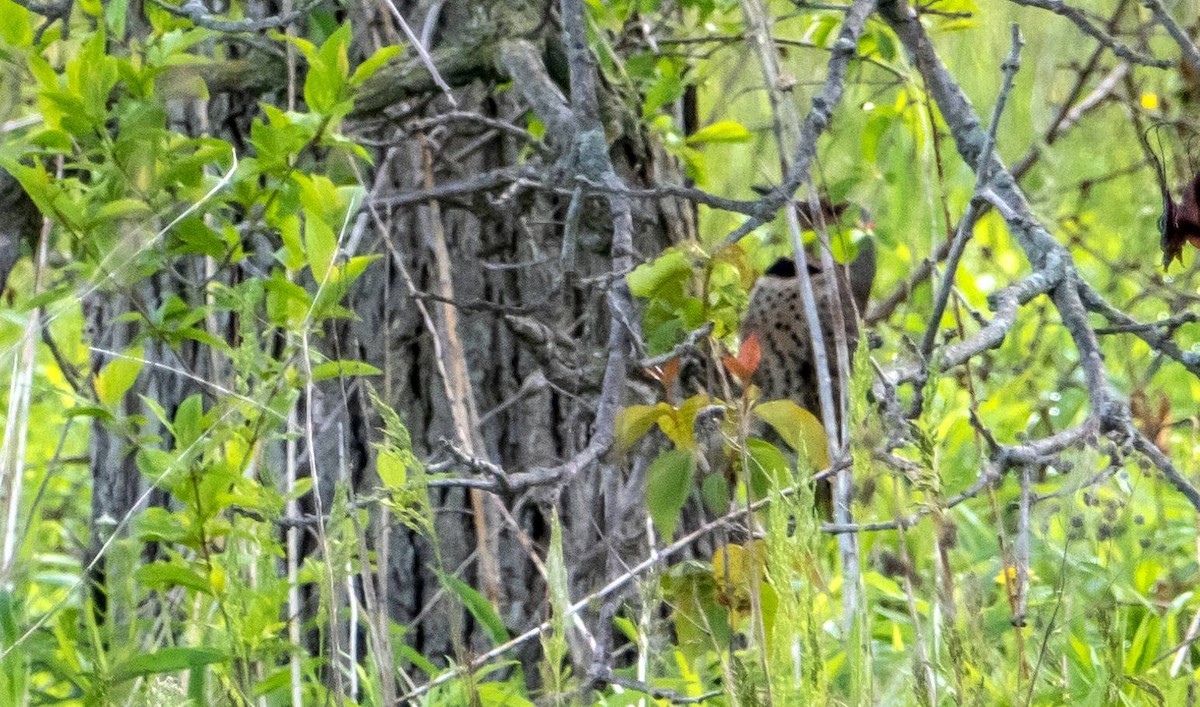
x,y
966,225
195,11
1165,466
423,52
1040,247
816,121
1085,25
1005,303
1191,54
1158,340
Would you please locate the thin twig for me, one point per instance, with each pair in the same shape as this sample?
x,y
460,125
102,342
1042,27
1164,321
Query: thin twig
x,y
1191,54
423,53
967,224
195,11
1085,25
816,121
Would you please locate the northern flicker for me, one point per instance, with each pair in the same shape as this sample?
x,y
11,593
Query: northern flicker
x,y
776,315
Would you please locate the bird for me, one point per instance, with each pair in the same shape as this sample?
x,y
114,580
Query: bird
x,y
1180,222
787,369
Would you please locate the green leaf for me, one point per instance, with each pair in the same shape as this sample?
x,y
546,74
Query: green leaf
x,y
166,660
337,284
158,464
193,236
159,525
342,369
714,490
115,14
679,424
627,628
165,575
93,411
668,483
35,181
722,131
291,255
392,470
320,245
502,693
15,28
417,659
188,418
701,622
307,48
768,467
665,90
328,72
799,428
334,52
819,31
205,338
287,302
374,63
672,266
115,379
478,605
322,198
119,209
91,7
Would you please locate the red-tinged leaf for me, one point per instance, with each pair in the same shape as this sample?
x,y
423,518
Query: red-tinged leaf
x,y
746,362
666,374
1152,417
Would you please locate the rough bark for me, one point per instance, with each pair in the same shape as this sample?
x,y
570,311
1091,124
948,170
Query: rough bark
x,y
532,304
506,252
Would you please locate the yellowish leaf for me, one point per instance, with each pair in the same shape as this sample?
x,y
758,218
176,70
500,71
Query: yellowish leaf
x,y
115,379
799,428
635,421
734,568
1011,571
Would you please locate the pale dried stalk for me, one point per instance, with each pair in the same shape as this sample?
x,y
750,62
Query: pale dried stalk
x,y
291,509
422,52
16,428
919,641
1184,650
310,433
351,598
799,139
458,390
377,615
